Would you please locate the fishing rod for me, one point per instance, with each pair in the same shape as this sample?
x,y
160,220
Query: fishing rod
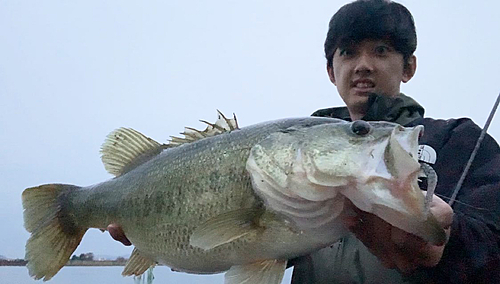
x,y
474,152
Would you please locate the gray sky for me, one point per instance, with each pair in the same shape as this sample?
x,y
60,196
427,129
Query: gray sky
x,y
72,71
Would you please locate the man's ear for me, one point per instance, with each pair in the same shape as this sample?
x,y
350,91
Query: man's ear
x,y
409,69
329,69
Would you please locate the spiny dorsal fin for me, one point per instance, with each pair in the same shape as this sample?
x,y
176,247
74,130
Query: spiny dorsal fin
x,y
125,149
222,125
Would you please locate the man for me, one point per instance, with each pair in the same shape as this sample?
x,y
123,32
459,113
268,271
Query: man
x,y
369,50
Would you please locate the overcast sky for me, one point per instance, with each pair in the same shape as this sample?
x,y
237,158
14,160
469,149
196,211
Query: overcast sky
x,y
72,71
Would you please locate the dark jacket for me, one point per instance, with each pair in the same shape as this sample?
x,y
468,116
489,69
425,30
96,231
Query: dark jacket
x,y
472,254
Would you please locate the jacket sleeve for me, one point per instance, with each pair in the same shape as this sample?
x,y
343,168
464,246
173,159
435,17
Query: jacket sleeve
x,y
472,254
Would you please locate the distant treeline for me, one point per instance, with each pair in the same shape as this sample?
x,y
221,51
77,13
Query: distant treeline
x,y
84,259
12,262
96,262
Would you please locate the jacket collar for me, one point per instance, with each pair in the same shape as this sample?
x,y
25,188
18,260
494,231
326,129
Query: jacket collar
x,y
401,109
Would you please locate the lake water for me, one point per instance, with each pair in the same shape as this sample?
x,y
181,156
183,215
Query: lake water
x,y
110,275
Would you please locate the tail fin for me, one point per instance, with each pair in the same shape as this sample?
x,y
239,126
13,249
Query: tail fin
x,y
53,237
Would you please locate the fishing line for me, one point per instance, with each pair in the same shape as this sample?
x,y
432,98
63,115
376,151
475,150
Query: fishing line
x,y
474,152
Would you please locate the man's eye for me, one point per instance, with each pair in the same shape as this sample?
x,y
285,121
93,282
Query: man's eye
x,y
381,50
345,52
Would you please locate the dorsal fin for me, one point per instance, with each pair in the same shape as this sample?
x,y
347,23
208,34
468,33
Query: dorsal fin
x,y
222,125
125,149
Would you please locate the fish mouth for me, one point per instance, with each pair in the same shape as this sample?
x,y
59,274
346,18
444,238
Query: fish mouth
x,y
409,140
399,201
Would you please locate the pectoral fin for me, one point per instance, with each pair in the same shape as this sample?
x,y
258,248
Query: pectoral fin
x,y
137,264
225,228
262,272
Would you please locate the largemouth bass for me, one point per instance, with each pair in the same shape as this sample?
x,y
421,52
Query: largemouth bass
x,y
242,200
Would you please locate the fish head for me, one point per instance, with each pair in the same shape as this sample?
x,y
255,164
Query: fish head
x,y
359,151
373,164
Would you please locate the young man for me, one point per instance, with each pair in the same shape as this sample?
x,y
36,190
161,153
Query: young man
x,y
369,50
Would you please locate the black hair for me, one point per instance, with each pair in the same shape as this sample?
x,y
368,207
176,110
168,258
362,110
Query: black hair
x,y
372,19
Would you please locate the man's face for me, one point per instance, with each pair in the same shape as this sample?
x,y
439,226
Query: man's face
x,y
371,66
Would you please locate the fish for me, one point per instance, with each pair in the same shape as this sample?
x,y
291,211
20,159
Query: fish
x,y
237,200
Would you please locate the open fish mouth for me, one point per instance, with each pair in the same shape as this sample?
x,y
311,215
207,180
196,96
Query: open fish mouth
x,y
399,200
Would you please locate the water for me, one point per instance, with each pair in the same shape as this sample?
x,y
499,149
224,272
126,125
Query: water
x,y
109,275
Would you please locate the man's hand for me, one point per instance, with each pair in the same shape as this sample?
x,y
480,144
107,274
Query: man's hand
x,y
394,247
117,233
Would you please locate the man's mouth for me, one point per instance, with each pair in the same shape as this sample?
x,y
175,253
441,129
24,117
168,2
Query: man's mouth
x,y
363,85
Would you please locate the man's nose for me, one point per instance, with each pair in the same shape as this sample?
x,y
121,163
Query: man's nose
x,y
364,64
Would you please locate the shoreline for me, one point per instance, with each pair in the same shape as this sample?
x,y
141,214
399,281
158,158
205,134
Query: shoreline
x,y
22,262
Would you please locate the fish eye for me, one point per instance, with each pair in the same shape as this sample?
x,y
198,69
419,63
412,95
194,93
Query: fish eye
x,y
360,127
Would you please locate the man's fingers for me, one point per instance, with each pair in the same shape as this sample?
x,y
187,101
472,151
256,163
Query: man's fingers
x,y
441,211
394,247
117,233
403,239
374,233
